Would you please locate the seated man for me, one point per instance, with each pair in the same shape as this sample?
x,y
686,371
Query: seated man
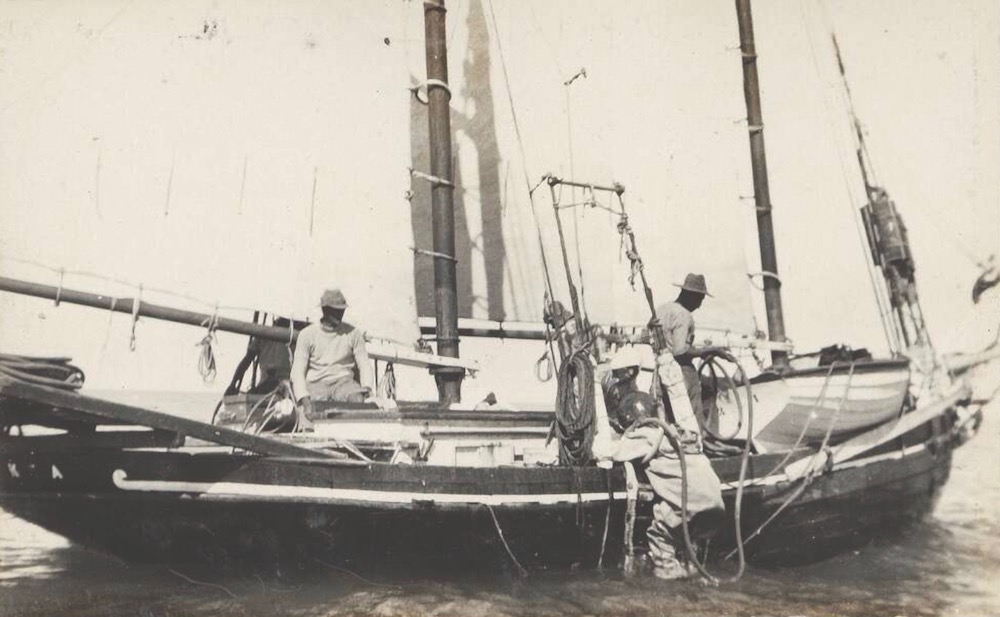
x,y
648,445
327,354
273,361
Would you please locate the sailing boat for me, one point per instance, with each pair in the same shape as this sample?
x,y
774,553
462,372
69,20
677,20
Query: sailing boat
x,y
438,482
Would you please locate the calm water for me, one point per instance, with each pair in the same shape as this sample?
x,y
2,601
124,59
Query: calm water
x,y
948,566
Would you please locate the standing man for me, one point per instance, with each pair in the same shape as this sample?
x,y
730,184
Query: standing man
x,y
675,361
327,355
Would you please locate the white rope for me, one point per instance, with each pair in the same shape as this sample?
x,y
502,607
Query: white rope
x,y
135,317
763,274
430,178
426,85
206,358
62,275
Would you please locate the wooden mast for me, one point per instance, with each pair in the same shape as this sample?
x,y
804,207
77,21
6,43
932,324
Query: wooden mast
x,y
762,196
449,381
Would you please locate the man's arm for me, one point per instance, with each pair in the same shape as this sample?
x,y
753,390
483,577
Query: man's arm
x,y
300,364
365,375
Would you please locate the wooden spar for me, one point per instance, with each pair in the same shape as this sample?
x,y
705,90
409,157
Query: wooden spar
x,y
449,380
376,350
762,196
118,412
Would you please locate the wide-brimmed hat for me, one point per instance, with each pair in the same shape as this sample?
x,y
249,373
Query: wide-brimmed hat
x,y
696,283
333,298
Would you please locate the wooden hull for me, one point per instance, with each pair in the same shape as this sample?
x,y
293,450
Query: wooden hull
x,y
208,504
842,402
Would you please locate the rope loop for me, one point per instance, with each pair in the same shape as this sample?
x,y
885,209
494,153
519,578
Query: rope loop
x,y
434,180
434,254
763,274
426,86
545,361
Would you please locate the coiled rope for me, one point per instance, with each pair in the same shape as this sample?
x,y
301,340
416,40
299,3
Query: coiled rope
x,y
575,411
51,372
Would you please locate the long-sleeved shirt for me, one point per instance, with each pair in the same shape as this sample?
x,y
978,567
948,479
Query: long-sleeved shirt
x,y
324,355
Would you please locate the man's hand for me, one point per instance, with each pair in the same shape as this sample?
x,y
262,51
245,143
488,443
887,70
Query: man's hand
x,y
306,405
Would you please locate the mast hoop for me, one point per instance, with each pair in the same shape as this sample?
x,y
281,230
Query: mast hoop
x,y
763,274
435,180
434,254
426,86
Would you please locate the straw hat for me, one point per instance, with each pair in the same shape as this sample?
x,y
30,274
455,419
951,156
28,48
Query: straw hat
x,y
333,298
696,283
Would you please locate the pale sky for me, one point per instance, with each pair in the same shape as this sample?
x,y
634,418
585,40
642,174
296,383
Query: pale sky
x,y
190,146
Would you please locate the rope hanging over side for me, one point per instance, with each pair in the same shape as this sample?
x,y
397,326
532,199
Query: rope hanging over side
x,y
575,411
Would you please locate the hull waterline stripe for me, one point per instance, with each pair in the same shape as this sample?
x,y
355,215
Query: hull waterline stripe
x,y
781,477
240,489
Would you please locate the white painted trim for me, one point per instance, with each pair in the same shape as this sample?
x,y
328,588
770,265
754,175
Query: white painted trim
x,y
781,477
269,492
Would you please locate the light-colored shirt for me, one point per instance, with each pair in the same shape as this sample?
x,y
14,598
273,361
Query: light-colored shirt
x,y
324,355
678,327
